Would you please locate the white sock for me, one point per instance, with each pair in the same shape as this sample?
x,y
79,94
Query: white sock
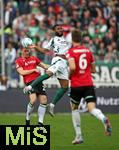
x,y
98,114
76,122
41,112
30,108
52,105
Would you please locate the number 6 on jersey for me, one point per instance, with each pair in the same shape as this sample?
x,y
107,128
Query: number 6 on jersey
x,y
82,62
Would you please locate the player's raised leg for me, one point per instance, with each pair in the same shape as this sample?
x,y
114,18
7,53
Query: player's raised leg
x,y
99,115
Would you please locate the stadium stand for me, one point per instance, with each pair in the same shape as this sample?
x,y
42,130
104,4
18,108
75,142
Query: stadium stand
x,y
97,19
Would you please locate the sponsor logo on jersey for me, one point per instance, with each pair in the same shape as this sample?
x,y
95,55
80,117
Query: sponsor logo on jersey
x,y
30,62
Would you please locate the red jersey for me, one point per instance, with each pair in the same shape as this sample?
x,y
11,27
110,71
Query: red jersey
x,y
28,64
83,58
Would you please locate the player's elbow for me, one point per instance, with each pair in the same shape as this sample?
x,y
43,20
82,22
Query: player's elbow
x,y
93,68
22,73
72,66
93,71
72,69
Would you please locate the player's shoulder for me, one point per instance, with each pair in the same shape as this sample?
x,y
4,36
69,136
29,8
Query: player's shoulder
x,y
69,53
79,49
19,59
35,58
86,48
74,49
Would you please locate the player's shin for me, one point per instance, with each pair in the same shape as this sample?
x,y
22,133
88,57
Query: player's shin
x,y
60,92
41,112
76,123
98,114
30,108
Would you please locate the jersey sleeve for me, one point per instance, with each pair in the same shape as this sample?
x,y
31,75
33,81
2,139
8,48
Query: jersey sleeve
x,y
69,54
18,63
50,44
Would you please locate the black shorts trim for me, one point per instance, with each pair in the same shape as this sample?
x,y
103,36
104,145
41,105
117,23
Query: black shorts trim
x,y
73,101
86,92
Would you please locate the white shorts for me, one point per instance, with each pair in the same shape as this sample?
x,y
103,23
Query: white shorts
x,y
59,67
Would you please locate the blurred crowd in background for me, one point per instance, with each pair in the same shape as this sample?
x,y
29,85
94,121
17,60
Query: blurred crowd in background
x,y
98,21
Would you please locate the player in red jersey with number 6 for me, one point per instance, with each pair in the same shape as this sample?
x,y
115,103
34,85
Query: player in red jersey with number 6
x,y
81,65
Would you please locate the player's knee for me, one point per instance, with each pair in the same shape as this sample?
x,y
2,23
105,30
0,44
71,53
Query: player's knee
x,y
95,111
43,100
33,101
91,106
31,104
43,105
74,106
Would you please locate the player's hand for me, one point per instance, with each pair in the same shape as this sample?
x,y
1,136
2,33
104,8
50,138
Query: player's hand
x,y
46,66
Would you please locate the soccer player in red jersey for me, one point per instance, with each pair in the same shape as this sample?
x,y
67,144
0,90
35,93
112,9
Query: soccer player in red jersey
x,y
81,65
27,67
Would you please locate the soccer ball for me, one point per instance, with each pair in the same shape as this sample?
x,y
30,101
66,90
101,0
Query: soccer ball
x,y
26,42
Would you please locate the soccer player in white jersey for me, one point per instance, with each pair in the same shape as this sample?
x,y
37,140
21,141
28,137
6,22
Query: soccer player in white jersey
x,y
58,65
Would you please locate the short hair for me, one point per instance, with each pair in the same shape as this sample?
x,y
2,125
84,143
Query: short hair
x,y
76,36
56,25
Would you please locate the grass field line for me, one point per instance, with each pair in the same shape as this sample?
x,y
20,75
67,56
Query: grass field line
x,y
35,113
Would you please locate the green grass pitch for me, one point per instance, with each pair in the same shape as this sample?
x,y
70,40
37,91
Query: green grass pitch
x,y
62,131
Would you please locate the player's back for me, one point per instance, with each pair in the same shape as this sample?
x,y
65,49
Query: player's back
x,y
83,59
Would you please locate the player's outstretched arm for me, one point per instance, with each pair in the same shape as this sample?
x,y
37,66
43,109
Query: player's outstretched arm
x,y
42,50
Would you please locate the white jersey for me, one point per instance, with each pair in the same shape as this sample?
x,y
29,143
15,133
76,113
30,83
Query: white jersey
x,y
58,44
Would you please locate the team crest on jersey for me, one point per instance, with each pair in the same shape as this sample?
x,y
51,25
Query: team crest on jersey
x,y
26,64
